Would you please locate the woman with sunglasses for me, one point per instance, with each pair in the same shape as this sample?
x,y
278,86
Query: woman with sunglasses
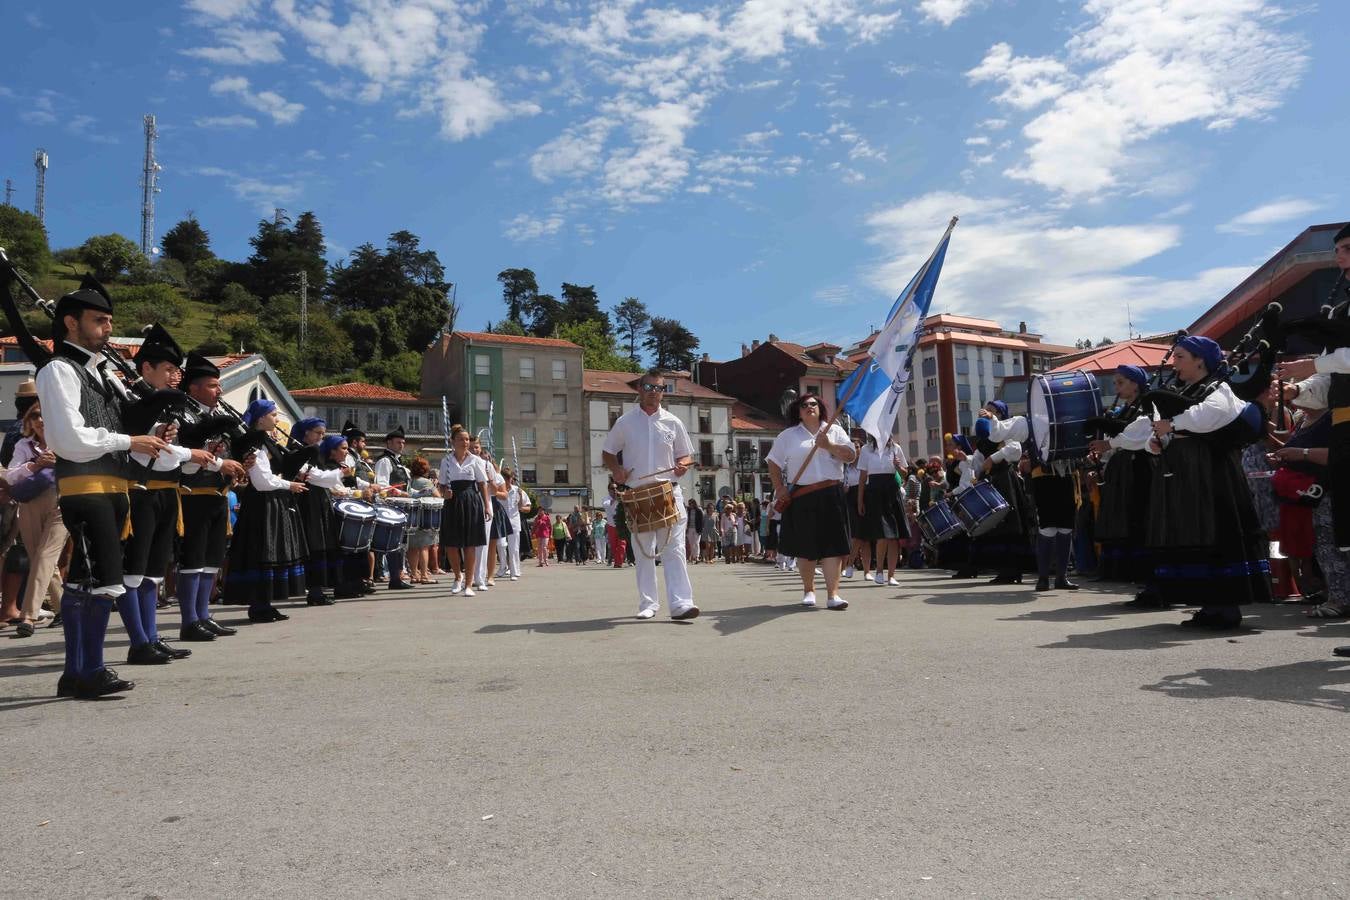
x,y
815,523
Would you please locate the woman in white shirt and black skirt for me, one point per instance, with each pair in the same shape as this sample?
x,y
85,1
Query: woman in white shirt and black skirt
x,y
468,508
881,507
815,525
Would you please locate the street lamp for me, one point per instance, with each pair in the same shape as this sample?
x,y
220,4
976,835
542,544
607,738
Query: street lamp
x,y
742,465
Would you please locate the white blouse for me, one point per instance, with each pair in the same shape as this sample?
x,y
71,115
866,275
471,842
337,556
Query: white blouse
x,y
791,448
261,477
472,469
880,460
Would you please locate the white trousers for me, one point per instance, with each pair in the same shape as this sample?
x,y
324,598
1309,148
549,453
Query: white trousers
x,y
480,564
679,592
512,563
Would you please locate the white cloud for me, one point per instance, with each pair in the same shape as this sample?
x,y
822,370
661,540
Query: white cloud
x,y
1256,220
226,122
978,141
224,10
1140,68
270,103
525,227
82,126
573,153
241,47
760,138
994,124
834,295
1012,263
945,12
264,195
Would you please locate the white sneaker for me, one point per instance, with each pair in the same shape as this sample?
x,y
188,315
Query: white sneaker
x,y
879,578
809,599
893,583
646,614
515,577
819,570
457,586
837,603
480,585
848,573
468,592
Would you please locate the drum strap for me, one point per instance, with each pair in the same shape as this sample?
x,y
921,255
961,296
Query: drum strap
x,y
659,549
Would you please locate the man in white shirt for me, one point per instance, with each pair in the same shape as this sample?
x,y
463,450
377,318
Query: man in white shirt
x,y
655,448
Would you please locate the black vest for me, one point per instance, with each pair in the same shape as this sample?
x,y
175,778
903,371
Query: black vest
x,y
399,476
101,407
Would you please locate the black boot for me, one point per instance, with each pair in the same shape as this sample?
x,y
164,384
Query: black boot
x,y
1045,547
1063,544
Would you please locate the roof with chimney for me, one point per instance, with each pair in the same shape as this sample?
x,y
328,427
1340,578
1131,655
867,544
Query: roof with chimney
x,y
745,417
625,384
359,392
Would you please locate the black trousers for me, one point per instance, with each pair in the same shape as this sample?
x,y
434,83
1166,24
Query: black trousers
x,y
205,526
154,523
95,524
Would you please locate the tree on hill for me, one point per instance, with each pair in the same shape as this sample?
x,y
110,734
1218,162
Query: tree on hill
x,y
506,326
580,304
24,240
187,242
519,288
598,350
632,318
545,315
373,279
109,255
282,252
671,345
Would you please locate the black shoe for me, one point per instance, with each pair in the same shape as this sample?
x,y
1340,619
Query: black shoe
x,y
1042,584
270,614
66,686
174,652
1220,620
100,684
216,628
1005,578
146,655
1147,599
400,586
1342,651
966,573
55,622
196,632
367,587
347,593
319,600
1064,584
25,629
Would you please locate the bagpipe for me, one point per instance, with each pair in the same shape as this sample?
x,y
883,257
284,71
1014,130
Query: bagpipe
x,y
1331,327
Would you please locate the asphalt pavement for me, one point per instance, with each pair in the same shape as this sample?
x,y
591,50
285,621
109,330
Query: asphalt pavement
x,y
941,738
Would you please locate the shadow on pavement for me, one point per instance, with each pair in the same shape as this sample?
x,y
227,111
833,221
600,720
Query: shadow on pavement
x,y
579,626
1319,683
963,595
725,621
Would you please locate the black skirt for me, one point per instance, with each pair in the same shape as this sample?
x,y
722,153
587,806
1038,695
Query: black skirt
x,y
1121,526
1005,547
462,522
855,525
771,538
267,551
501,525
884,516
1056,505
815,526
1203,530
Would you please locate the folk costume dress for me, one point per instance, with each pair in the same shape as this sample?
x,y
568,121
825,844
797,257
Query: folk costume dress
x,y
883,504
462,522
268,550
1122,520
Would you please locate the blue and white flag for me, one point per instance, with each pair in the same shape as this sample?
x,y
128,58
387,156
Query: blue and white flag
x,y
871,395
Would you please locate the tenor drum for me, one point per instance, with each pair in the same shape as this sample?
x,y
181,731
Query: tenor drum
x,y
431,513
389,526
938,523
356,525
650,507
1059,407
411,509
979,508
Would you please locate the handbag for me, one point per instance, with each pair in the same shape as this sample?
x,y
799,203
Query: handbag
x,y
33,486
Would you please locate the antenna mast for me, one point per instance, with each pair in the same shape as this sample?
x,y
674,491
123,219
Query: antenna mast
x,y
149,187
40,204
304,317
9,192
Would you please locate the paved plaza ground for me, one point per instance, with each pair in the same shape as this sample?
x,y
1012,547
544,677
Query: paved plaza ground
x,y
937,739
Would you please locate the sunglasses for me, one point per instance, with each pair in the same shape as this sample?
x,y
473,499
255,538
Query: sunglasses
x,y
649,387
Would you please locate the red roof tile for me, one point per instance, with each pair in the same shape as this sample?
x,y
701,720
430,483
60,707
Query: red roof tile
x,y
483,337
601,381
357,390
745,417
1125,353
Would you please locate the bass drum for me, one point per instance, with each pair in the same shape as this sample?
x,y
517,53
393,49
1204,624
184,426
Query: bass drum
x,y
1058,409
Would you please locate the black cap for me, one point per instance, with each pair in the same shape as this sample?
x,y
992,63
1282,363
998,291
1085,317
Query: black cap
x,y
351,432
89,295
158,347
396,433
1341,235
198,366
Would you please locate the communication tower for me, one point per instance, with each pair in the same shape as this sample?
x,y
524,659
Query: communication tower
x,y
149,187
40,204
9,192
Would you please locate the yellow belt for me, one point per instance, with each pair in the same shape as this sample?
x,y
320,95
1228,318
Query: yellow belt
x,y
76,485
200,492
170,486
1340,415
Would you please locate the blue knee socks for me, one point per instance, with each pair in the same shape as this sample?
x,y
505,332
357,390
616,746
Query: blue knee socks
x,y
187,595
129,608
1063,544
149,602
396,567
72,626
96,610
204,588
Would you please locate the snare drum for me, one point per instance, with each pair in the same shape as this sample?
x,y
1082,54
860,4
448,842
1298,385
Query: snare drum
x,y
431,513
650,507
411,509
389,525
979,508
356,525
1059,407
938,523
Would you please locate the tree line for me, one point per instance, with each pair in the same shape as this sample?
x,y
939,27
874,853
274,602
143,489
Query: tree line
x,y
609,340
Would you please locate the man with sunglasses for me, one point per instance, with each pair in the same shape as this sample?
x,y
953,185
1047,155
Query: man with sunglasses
x,y
655,448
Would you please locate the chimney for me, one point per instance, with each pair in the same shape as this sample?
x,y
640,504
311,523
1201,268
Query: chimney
x,y
745,351
707,358
754,345
773,338
1021,327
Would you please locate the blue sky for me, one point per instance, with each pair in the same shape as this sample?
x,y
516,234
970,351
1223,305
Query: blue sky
x,y
747,167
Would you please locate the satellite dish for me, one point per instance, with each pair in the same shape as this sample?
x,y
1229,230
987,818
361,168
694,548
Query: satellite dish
x,y
154,251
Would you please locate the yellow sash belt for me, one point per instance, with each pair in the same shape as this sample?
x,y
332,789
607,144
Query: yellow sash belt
x,y
76,485
170,486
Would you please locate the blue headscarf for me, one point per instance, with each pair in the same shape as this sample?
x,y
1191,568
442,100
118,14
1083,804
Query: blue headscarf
x,y
257,409
983,427
963,442
1205,348
1134,373
305,426
999,407
330,443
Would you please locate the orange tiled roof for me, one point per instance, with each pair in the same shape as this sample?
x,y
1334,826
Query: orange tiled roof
x,y
745,417
1125,353
483,337
985,340
357,390
798,352
127,349
601,381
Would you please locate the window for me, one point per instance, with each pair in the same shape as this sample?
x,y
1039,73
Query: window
x,y
528,474
615,410
353,415
415,422
332,417
560,474
962,366
559,369
372,419
705,453
913,449
560,439
930,382
998,356
963,406
391,420
560,404
527,438
481,400
705,421
256,393
527,401
764,448
527,368
931,411
482,364
812,390
932,435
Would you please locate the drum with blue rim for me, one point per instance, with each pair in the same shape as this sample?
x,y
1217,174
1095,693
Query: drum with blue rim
x,y
356,525
938,523
389,526
1058,409
979,508
431,513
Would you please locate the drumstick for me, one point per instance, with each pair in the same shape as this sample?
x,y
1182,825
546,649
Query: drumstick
x,y
661,472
